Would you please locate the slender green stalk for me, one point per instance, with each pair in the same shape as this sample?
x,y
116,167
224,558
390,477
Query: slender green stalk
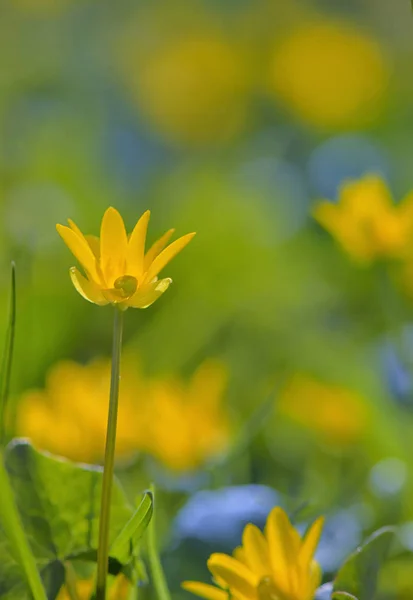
x,y
108,469
13,528
8,357
70,581
9,514
158,575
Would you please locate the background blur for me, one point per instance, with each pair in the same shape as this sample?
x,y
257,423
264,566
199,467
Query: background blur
x,y
275,369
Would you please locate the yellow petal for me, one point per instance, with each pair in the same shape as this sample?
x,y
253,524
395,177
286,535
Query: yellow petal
x,y
283,542
74,227
315,578
310,543
156,248
81,250
204,590
327,214
147,295
113,246
94,243
236,575
239,553
256,550
167,255
136,246
86,288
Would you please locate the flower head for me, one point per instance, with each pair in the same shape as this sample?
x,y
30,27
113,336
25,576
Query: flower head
x,y
118,271
335,414
275,565
366,222
330,75
180,423
184,423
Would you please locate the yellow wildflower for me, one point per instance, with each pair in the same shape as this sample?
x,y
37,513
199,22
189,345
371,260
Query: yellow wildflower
x,y
69,416
330,74
184,424
118,270
181,424
366,222
192,88
336,414
275,565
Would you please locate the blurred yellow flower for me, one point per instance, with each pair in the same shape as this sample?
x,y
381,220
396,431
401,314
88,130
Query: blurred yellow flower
x,y
181,424
84,588
366,222
117,268
69,416
330,74
191,88
336,414
275,565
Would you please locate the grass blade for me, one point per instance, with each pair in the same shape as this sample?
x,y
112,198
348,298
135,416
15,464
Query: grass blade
x,y
158,575
8,357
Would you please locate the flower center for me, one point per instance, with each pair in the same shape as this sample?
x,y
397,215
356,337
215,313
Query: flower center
x,y
126,285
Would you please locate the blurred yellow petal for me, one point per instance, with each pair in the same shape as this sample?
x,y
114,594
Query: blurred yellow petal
x,y
237,576
256,550
204,590
86,288
167,255
310,542
80,249
136,246
147,295
113,246
327,214
239,555
156,248
283,548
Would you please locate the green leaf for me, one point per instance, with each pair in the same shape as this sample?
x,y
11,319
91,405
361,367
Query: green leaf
x,y
343,596
133,530
59,504
358,576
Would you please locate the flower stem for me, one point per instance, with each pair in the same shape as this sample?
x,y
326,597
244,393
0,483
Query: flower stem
x,y
104,524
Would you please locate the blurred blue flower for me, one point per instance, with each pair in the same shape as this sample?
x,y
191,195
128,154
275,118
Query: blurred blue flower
x,y
341,536
398,377
324,592
219,516
348,156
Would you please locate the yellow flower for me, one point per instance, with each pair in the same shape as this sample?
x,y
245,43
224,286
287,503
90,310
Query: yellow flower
x,y
182,424
192,88
117,268
330,74
336,414
275,565
366,222
69,416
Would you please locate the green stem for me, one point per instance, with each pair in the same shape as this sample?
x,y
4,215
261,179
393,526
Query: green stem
x,y
108,469
158,575
8,357
70,581
13,528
